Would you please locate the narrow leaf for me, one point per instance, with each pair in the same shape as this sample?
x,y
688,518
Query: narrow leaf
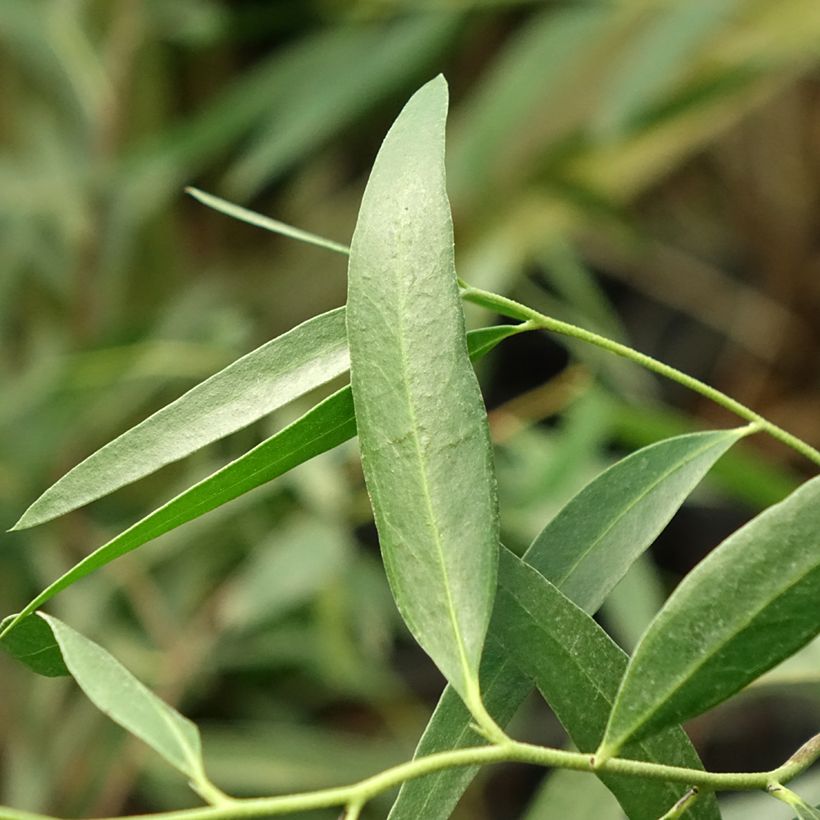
x,y
587,548
257,384
748,605
422,425
577,668
322,428
118,694
619,513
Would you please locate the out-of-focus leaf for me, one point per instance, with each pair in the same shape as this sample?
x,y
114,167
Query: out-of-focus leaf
x,y
345,74
257,384
422,426
656,59
567,794
577,668
288,570
751,603
626,506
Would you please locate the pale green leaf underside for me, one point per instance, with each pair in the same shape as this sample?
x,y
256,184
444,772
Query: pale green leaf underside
x,y
257,384
118,694
422,426
751,603
328,424
617,515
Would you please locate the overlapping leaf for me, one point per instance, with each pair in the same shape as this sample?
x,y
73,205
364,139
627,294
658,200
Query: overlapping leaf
x,y
257,384
116,692
323,427
618,514
751,603
422,425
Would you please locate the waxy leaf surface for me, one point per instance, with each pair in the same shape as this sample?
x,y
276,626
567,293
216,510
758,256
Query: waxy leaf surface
x,y
748,605
252,387
620,512
422,425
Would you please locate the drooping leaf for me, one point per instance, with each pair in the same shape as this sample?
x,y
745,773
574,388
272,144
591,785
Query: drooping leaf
x,y
257,384
422,425
568,794
577,668
748,605
118,694
628,505
322,428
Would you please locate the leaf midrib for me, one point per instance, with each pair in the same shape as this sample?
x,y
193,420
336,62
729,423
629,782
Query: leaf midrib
x,y
704,659
616,520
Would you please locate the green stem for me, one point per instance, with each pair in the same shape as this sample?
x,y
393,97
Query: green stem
x,y
515,310
357,795
683,805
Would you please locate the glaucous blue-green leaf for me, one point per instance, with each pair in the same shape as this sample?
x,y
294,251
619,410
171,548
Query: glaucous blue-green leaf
x,y
626,506
118,694
748,605
422,426
328,424
577,667
279,371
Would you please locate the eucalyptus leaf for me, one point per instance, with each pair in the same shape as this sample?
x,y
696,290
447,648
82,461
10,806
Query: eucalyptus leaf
x,y
422,426
627,506
328,424
748,605
279,371
118,694
577,668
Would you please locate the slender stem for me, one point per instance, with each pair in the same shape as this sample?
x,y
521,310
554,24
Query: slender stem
x,y
357,795
683,805
509,307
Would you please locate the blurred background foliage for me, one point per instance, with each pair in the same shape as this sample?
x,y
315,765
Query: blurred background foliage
x,y
647,168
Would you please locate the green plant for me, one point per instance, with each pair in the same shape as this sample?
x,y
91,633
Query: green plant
x,y
496,625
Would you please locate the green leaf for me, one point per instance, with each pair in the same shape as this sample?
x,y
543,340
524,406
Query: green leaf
x,y
807,812
621,512
257,384
568,794
118,694
577,668
325,426
422,426
32,643
748,605
588,547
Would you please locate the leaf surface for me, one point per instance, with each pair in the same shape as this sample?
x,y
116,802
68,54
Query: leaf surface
x,y
748,605
328,424
627,506
577,668
279,371
118,694
422,426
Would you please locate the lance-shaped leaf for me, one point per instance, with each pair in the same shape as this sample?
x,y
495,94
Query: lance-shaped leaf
x,y
118,694
749,604
257,384
422,425
618,515
577,668
322,428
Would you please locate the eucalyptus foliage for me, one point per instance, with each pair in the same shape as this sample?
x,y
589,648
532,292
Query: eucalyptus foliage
x,y
497,625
